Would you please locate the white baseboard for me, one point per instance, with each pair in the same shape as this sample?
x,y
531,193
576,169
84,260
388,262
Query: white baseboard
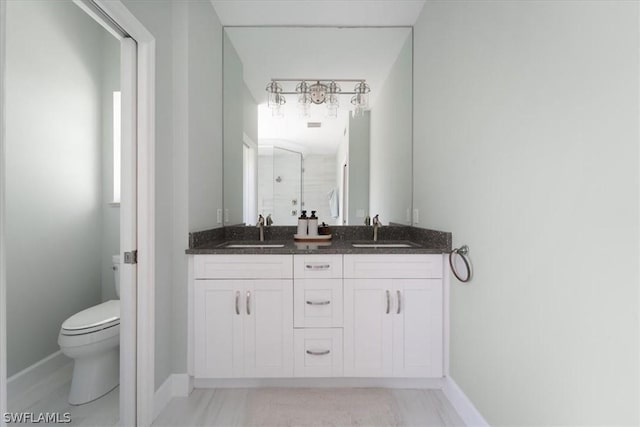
x,y
463,406
176,385
33,382
182,385
421,383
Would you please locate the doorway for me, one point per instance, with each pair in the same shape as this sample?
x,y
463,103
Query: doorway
x,y
136,208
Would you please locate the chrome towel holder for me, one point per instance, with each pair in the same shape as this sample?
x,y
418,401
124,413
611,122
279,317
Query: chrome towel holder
x,y
460,253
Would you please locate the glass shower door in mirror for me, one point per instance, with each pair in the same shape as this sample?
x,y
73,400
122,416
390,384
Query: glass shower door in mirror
x,y
280,184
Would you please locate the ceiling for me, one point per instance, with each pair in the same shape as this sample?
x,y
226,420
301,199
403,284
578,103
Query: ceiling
x,y
319,12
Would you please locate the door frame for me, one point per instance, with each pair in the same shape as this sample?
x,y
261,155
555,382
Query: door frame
x,y
137,410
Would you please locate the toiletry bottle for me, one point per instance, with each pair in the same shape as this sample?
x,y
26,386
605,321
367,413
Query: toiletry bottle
x,y
367,220
313,224
303,223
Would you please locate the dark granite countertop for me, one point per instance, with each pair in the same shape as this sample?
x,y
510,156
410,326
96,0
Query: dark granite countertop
x,y
422,241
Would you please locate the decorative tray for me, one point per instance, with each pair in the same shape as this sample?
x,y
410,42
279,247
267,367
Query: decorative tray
x,y
318,238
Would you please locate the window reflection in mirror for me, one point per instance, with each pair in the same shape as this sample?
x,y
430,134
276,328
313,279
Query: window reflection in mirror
x,y
344,164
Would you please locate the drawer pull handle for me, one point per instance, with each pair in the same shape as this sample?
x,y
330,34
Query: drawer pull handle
x,y
318,302
388,302
318,266
399,301
318,353
238,303
248,302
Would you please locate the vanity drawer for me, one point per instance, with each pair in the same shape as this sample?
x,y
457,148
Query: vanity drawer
x,y
317,266
243,267
318,352
317,303
393,266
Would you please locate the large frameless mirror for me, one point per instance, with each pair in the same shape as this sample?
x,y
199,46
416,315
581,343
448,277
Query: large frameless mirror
x,y
317,119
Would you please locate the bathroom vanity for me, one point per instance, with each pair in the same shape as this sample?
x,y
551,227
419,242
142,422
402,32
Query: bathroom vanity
x,y
341,310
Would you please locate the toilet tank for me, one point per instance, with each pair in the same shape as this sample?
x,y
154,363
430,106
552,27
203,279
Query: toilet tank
x,y
116,273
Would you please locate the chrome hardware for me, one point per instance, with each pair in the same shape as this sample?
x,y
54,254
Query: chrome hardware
x,y
399,302
248,302
131,257
388,301
260,225
376,224
318,353
318,302
318,267
463,253
238,303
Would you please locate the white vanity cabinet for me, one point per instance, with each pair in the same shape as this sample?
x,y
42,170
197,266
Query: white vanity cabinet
x,y
314,315
243,323
393,316
318,315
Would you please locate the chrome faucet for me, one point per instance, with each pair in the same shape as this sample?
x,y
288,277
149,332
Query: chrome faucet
x,y
260,225
376,224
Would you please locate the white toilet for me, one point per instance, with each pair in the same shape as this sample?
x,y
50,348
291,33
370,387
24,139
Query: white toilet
x,y
92,338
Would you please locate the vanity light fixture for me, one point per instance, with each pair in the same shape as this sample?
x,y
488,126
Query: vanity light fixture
x,y
317,91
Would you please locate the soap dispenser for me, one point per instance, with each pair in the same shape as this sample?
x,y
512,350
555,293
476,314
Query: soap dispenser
x,y
303,223
313,224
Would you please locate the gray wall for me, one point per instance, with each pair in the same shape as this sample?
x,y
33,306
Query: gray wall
x,y
156,17
526,148
110,238
391,139
234,88
359,149
188,155
54,187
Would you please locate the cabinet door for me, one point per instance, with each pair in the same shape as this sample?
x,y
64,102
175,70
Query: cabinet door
x,y
268,329
368,322
218,328
417,328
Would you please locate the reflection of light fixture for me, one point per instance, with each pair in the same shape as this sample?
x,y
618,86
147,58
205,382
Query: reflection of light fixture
x,y
275,99
361,99
323,91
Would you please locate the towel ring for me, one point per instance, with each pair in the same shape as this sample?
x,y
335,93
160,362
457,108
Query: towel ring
x,y
462,252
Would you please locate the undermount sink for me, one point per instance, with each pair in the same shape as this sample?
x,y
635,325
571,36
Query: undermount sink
x,y
253,245
382,245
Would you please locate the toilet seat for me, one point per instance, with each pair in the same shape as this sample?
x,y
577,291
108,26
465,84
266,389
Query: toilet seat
x,y
93,319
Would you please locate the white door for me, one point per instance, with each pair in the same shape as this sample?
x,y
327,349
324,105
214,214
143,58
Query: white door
x,y
128,230
368,328
269,329
417,328
219,312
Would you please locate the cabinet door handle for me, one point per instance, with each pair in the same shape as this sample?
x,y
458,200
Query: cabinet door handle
x,y
318,302
399,302
318,353
388,302
248,302
318,266
238,303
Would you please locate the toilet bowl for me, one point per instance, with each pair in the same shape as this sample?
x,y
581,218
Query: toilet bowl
x,y
92,339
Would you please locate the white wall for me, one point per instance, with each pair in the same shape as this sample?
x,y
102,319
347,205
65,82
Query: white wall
x,y
319,179
526,148
110,237
390,192
53,150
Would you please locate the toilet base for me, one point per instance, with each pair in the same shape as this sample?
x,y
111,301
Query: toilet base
x,y
94,376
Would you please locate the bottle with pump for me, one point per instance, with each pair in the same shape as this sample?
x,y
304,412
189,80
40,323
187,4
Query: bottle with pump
x,y
313,224
303,224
